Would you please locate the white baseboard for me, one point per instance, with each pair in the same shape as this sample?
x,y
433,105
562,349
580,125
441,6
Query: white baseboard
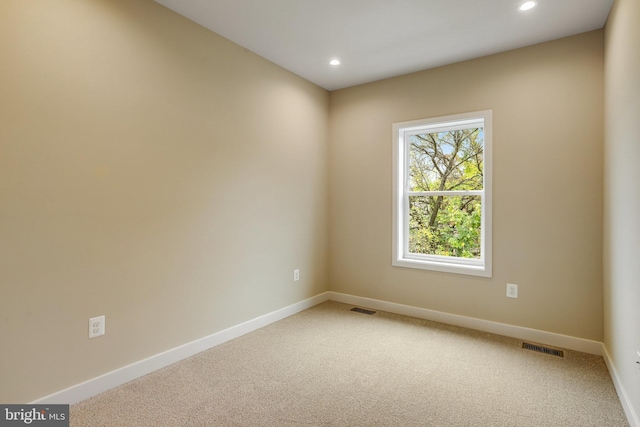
x,y
625,400
135,370
85,390
541,337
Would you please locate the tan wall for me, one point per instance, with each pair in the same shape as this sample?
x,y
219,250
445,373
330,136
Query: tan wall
x,y
622,190
150,171
547,194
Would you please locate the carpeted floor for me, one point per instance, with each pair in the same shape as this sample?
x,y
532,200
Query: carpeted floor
x,y
329,366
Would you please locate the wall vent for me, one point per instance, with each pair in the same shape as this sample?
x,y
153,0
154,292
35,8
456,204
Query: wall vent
x,y
362,310
542,349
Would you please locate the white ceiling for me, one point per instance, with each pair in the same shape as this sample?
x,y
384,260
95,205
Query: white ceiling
x,y
376,39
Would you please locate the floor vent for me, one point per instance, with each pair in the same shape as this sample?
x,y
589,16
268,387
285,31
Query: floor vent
x,y
363,310
541,349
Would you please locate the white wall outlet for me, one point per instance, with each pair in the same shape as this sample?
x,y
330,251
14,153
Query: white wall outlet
x,y
296,275
512,290
96,326
638,362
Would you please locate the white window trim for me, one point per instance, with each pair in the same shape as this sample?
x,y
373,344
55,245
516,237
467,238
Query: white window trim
x,y
401,257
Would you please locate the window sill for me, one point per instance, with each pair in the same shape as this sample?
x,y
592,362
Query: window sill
x,y
445,267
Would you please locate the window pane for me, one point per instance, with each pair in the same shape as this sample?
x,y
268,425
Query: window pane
x,y
445,225
444,161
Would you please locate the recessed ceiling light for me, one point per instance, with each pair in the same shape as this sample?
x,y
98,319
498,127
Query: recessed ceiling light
x,y
334,62
527,5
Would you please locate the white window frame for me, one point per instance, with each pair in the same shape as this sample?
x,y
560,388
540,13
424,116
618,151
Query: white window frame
x,y
401,255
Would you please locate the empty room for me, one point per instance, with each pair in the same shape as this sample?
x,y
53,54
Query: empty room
x,y
336,213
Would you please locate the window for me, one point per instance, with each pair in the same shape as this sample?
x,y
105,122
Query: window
x,y
442,194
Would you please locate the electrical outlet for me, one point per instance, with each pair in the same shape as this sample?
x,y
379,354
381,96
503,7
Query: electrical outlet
x,y
296,275
512,290
638,362
96,326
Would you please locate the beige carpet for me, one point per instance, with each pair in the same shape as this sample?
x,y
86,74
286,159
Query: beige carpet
x,y
329,366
